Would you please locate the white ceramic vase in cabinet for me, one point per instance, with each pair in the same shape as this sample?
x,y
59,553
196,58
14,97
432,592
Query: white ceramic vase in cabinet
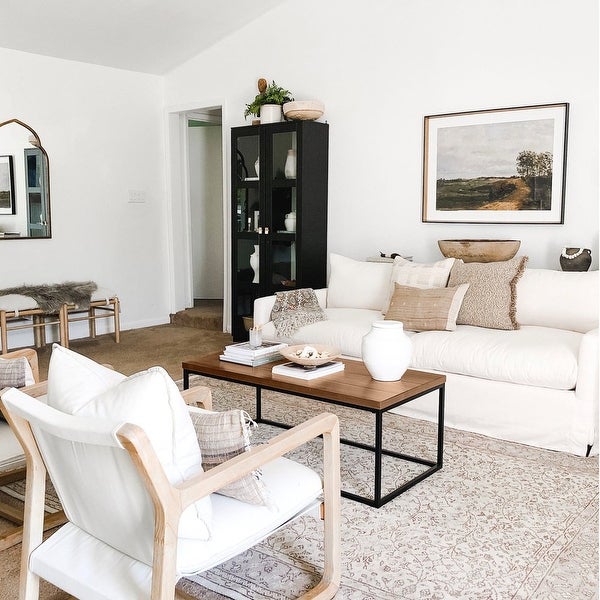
x,y
254,262
386,350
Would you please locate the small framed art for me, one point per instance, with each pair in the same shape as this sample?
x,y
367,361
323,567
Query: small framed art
x,y
496,166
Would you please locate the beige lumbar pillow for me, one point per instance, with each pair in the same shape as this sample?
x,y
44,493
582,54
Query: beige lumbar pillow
x,y
419,275
426,309
491,300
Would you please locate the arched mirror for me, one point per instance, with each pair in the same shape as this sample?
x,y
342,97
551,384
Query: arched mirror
x,y
24,183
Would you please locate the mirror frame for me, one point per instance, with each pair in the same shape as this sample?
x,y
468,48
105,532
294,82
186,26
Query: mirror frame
x,y
43,150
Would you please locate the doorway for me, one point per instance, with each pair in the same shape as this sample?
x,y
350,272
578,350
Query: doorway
x,y
197,211
205,169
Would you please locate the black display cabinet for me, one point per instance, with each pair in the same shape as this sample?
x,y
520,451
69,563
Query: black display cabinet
x,y
278,172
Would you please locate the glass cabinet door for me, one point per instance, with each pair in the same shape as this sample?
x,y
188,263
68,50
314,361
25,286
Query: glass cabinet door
x,y
283,210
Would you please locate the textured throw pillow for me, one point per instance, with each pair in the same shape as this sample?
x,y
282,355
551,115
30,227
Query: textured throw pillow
x,y
357,284
294,309
491,300
426,309
419,275
15,372
151,400
223,435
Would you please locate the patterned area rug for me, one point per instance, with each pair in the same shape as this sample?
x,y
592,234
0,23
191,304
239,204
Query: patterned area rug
x,y
500,520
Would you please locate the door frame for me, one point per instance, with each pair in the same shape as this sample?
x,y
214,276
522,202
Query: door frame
x,y
178,208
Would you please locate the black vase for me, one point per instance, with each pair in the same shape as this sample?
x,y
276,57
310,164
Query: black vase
x,y
575,259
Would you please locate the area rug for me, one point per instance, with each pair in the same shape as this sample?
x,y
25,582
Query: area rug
x,y
499,521
16,491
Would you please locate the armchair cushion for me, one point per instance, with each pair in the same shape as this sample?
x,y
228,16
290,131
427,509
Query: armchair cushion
x,y
223,435
150,399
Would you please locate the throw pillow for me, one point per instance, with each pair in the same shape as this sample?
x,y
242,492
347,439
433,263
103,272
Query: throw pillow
x,y
223,435
79,386
294,309
491,300
15,372
426,309
419,275
357,284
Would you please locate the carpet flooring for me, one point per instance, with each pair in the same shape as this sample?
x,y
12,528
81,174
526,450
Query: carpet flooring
x,y
499,521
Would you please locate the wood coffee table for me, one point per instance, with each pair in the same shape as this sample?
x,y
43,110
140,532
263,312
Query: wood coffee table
x,y
352,387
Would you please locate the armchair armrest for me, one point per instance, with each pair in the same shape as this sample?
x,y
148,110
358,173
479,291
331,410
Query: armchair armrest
x,y
198,396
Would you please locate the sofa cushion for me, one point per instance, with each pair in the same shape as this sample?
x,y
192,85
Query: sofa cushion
x,y
426,309
490,300
566,300
79,386
537,356
344,329
357,284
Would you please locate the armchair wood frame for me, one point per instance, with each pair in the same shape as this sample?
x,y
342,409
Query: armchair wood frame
x,y
170,501
9,511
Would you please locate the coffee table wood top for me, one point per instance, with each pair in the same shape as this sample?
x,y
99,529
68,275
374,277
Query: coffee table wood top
x,y
353,386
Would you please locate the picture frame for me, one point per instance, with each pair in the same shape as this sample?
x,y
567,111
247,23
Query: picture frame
x,y
7,186
505,165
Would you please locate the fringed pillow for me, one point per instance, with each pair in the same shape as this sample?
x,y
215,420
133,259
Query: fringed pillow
x,y
491,300
295,309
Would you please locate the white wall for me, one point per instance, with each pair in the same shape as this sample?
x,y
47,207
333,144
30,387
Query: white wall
x,y
380,67
206,199
103,131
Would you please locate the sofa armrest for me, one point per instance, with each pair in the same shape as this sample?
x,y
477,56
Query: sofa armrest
x,y
263,306
586,389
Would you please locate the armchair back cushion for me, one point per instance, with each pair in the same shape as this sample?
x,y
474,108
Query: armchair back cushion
x,y
81,453
151,400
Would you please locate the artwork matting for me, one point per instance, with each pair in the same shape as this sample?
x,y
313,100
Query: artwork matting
x,y
496,166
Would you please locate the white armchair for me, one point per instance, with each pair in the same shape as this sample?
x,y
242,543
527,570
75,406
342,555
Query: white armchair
x,y
128,533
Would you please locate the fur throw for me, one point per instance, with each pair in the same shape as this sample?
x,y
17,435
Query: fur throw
x,y
50,297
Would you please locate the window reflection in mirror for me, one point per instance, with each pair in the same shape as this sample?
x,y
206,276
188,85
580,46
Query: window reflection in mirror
x,y
24,183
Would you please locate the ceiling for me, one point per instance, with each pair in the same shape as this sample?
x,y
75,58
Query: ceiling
x,y
151,36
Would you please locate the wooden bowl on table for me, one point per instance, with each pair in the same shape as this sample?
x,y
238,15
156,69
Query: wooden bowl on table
x,y
321,354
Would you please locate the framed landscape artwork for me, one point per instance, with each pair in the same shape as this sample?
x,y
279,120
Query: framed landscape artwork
x,y
7,186
496,166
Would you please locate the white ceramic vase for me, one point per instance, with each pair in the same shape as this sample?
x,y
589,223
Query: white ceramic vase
x,y
386,350
289,168
254,260
290,221
270,113
257,166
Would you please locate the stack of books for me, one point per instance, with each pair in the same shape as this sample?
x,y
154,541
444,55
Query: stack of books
x,y
291,369
244,354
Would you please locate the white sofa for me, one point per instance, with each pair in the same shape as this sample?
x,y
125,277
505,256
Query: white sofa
x,y
536,385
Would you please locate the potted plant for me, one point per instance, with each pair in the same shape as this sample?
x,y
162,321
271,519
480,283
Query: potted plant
x,y
268,102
